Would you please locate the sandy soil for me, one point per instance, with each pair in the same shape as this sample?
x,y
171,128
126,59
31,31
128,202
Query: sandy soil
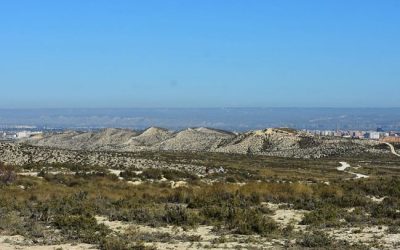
x,y
18,242
367,235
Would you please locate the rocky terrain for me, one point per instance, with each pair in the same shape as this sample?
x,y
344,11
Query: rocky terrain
x,y
272,142
20,154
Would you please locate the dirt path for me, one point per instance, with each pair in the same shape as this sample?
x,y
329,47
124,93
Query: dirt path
x,y
345,165
392,149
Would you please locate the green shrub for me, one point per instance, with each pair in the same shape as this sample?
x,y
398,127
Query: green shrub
x,y
179,215
34,229
387,209
393,229
170,174
114,243
231,179
242,221
356,216
80,227
251,221
151,173
316,239
12,223
128,174
7,174
122,243
326,216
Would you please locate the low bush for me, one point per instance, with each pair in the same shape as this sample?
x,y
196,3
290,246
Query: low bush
x,y
251,221
7,174
157,174
241,221
356,216
128,174
81,227
327,215
393,229
151,173
12,223
121,243
387,209
114,243
180,216
316,239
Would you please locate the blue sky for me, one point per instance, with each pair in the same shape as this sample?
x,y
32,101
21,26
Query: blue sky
x,y
208,53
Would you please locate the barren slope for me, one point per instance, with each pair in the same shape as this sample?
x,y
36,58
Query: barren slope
x,y
273,142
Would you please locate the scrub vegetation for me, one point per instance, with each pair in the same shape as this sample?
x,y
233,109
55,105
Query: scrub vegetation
x,y
243,200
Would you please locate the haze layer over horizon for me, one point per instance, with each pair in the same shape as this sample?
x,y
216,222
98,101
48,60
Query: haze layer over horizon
x,y
233,119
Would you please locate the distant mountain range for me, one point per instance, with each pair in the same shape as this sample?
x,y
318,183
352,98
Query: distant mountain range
x,y
234,119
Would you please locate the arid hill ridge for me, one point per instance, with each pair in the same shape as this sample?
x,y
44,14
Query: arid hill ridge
x,y
272,141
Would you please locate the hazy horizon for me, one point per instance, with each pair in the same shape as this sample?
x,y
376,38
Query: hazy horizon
x,y
239,119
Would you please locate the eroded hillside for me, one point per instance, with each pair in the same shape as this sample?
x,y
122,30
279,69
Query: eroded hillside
x,y
272,142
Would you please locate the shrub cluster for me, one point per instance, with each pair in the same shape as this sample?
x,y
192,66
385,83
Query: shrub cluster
x,y
7,174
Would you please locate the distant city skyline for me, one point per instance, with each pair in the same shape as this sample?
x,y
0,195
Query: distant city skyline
x,y
239,119
185,54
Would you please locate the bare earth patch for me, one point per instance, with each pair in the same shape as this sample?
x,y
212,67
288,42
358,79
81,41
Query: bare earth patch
x,y
367,235
18,242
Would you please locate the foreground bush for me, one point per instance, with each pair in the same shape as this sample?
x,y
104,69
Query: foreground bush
x,y
316,240
251,221
7,174
120,243
241,221
11,223
180,216
325,216
80,227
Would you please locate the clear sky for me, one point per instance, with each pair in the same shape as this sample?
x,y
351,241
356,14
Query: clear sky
x,y
204,53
